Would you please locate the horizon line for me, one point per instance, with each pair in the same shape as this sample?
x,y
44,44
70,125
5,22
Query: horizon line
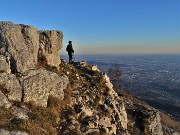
x,y
124,54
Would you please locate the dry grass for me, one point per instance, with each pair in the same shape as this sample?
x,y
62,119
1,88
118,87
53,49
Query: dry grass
x,y
167,121
67,99
5,116
47,67
42,121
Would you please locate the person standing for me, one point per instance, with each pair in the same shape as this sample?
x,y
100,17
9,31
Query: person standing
x,y
70,51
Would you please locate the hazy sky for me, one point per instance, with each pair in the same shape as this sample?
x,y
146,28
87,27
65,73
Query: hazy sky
x,y
103,26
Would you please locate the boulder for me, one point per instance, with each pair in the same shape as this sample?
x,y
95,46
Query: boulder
x,y
10,87
50,44
21,42
37,85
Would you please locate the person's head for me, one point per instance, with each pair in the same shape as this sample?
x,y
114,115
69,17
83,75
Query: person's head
x,y
70,42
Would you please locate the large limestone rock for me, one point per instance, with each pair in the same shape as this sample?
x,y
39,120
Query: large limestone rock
x,y
37,85
25,45
21,43
50,45
10,86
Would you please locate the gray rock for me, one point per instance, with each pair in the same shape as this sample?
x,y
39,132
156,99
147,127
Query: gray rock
x,y
50,43
153,123
20,113
39,84
4,101
24,44
21,42
11,86
6,132
4,66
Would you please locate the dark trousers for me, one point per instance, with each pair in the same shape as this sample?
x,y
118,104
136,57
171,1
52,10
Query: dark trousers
x,y
70,57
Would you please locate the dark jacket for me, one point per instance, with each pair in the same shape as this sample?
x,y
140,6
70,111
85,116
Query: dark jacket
x,y
69,49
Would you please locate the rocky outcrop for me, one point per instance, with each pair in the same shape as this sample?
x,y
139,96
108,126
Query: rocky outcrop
x,y
94,106
21,44
37,85
50,43
29,92
24,45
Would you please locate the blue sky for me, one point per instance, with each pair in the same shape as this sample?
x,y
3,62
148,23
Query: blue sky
x,y
103,26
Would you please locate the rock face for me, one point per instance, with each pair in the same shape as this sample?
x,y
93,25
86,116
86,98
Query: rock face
x,y
25,53
37,85
50,44
24,44
21,43
20,47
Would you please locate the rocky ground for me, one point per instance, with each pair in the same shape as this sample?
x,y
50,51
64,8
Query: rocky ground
x,y
95,108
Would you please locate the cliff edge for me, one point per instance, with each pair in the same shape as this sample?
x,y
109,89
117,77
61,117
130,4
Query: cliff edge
x,y
43,95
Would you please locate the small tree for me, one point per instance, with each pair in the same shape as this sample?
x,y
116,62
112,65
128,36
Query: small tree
x,y
115,74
